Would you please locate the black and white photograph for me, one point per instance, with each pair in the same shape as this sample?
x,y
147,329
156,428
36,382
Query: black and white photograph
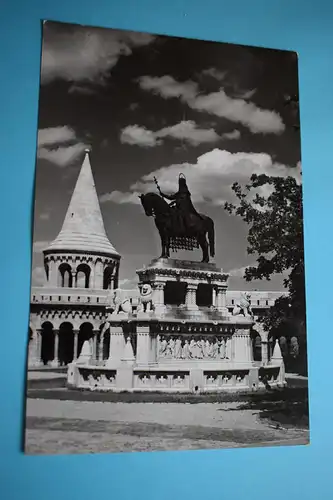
x,y
167,307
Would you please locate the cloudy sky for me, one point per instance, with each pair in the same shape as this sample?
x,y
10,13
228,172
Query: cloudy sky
x,y
154,105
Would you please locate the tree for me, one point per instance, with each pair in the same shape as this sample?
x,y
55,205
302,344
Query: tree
x,y
276,238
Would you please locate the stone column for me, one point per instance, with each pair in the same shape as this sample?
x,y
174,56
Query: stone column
x,y
143,346
214,297
221,299
76,340
94,356
117,345
158,296
74,279
35,349
98,276
190,299
53,275
242,349
101,347
112,279
55,362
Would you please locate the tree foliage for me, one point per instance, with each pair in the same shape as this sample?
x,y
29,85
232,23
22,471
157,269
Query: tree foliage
x,y
272,207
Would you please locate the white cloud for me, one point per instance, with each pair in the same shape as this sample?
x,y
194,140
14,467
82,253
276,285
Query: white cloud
x,y
55,144
55,135
234,135
129,284
185,130
38,276
239,272
188,131
238,110
39,246
210,178
139,136
85,54
247,94
168,87
61,156
215,73
217,103
119,197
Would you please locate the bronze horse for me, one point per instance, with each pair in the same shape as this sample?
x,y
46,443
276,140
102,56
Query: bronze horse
x,y
166,223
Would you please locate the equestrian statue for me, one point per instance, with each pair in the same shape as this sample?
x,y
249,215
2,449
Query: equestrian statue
x,y
180,226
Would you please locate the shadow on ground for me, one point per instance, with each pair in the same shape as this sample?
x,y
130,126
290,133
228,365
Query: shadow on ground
x,y
286,408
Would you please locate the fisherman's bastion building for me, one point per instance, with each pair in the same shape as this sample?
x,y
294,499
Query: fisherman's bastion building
x,y
81,269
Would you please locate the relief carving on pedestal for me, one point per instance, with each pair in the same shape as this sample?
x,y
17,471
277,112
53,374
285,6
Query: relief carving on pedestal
x,y
212,348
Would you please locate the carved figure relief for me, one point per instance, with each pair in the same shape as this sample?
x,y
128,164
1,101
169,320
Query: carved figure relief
x,y
194,348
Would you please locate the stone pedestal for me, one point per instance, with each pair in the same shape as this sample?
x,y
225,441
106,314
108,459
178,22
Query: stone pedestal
x,y
196,380
124,378
143,346
242,348
117,345
254,379
128,354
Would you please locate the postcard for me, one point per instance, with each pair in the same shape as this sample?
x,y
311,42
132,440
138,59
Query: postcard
x,y
168,293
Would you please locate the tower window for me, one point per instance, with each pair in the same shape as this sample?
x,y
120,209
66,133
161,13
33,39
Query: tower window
x,y
83,276
65,279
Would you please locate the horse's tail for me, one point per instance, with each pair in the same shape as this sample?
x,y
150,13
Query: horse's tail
x,y
211,237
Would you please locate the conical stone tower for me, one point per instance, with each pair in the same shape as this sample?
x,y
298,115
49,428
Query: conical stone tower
x,y
82,256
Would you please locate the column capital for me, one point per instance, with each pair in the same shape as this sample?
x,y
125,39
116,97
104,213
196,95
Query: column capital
x,y
192,286
158,285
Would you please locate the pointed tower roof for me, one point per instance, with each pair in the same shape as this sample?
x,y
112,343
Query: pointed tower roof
x,y
83,228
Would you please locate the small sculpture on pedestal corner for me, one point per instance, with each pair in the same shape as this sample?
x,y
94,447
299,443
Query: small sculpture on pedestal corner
x,y
118,302
146,298
243,306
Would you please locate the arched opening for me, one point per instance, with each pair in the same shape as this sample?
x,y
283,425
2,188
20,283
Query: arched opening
x,y
65,279
174,293
256,345
108,278
66,343
204,295
30,334
83,276
47,335
85,333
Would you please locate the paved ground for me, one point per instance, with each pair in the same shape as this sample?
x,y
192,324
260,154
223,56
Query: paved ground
x,y
55,427
61,421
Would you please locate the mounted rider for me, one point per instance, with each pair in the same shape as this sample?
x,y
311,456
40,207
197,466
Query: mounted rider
x,y
183,203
